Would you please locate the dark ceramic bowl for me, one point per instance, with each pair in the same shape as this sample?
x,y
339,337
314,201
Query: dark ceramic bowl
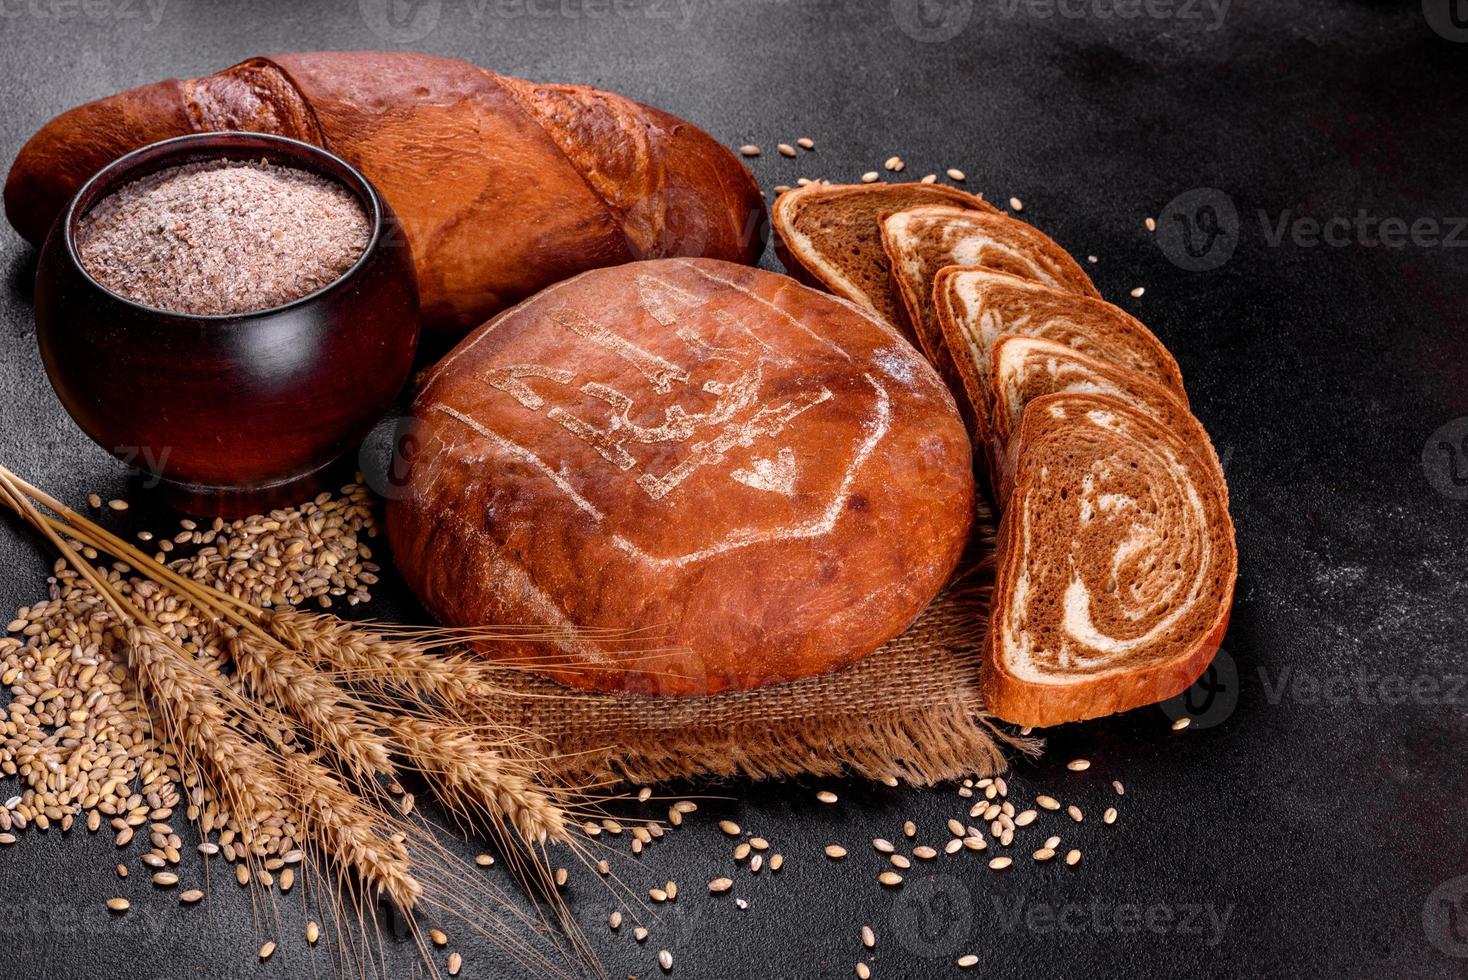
x,y
238,412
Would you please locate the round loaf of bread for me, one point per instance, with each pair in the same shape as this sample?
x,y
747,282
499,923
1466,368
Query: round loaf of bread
x,y
688,476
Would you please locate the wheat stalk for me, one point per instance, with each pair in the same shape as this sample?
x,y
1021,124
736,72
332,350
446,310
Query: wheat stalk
x,y
196,722
470,774
346,830
367,656
253,781
250,772
199,730
333,719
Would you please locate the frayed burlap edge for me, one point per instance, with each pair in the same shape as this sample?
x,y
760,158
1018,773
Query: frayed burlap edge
x,y
911,712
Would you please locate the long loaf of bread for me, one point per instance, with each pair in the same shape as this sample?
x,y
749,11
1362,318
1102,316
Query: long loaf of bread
x,y
503,186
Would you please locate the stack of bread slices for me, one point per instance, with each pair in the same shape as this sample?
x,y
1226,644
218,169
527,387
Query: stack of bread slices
x,y
1115,558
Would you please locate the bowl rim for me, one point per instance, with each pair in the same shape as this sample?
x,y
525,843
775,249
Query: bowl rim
x,y
243,139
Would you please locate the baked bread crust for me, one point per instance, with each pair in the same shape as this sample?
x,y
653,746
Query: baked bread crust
x,y
920,242
817,226
503,186
1121,616
975,308
766,480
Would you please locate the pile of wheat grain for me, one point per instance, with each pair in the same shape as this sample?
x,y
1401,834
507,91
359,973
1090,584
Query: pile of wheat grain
x,y
144,693
77,735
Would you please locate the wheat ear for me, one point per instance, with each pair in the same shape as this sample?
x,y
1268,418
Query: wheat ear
x,y
335,720
471,775
368,657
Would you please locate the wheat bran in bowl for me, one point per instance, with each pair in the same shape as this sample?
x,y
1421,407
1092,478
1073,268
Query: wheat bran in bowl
x,y
223,237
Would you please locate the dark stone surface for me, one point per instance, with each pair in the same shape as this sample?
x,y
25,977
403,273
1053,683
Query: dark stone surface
x,y
1320,822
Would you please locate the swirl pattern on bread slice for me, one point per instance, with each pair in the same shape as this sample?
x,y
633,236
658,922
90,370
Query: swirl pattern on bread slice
x,y
976,307
829,236
1023,369
1116,563
922,241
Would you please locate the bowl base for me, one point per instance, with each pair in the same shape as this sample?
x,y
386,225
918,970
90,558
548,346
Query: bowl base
x,y
232,502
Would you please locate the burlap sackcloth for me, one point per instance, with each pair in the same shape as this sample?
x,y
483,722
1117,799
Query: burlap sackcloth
x,y
910,711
